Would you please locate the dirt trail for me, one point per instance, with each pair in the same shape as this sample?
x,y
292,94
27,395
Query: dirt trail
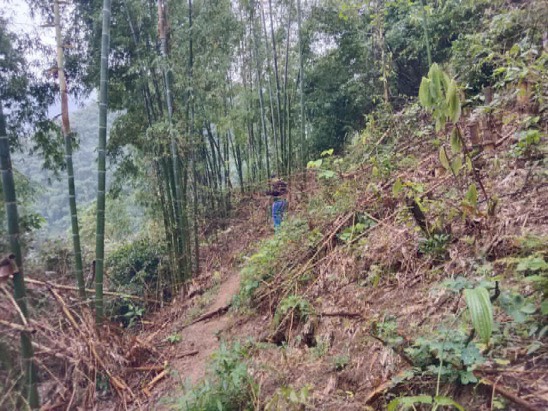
x,y
204,336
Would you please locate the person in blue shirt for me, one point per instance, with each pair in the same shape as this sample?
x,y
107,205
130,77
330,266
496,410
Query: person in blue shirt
x,y
279,204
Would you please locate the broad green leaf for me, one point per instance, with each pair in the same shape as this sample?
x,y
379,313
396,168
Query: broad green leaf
x,y
315,164
435,75
472,195
469,165
544,307
532,264
456,144
453,102
443,159
327,174
397,187
424,93
481,311
441,400
456,165
420,399
327,153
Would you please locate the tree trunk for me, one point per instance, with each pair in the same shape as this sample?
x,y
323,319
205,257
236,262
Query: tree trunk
x,y
426,34
303,143
277,78
178,203
101,164
10,201
65,129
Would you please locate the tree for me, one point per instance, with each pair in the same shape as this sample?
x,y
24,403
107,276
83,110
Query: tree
x,y
67,135
101,164
10,201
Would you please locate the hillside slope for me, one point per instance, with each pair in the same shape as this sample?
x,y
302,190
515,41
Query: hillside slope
x,y
360,297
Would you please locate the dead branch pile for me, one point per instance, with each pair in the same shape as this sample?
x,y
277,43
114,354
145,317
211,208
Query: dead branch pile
x,y
79,363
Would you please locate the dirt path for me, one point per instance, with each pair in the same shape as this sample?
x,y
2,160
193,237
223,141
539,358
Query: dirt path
x,y
187,360
204,336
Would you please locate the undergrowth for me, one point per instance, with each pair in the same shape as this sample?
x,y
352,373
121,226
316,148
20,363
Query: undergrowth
x,y
228,385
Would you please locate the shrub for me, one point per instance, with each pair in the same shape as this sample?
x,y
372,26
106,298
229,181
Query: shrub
x,y
228,386
137,268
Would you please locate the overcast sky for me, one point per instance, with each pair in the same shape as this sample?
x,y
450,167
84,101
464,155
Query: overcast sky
x,y
20,21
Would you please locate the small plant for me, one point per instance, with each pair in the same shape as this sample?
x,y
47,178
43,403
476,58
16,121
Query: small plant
x,y
296,304
227,387
436,246
436,402
325,165
448,354
528,143
173,338
290,399
439,94
350,233
134,313
340,362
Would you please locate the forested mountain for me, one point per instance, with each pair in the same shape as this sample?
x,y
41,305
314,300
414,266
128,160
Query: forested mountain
x,y
274,205
50,192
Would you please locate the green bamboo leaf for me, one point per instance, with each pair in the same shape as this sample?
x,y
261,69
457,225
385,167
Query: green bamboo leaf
x,y
481,311
456,143
469,164
443,159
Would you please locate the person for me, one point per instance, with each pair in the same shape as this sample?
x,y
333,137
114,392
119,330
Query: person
x,y
279,204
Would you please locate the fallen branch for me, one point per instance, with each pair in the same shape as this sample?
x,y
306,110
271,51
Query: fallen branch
x,y
17,327
346,314
207,316
89,290
525,405
145,368
187,354
156,379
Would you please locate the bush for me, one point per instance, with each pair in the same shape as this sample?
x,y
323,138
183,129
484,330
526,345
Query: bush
x,y
137,268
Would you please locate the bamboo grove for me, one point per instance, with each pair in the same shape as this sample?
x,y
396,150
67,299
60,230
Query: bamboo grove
x,y
213,97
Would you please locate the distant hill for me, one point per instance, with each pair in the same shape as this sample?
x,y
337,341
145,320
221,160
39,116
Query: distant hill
x,y
51,198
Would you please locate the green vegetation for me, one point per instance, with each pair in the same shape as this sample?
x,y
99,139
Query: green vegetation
x,y
410,269
228,385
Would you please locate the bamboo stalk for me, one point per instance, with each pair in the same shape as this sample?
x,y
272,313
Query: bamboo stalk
x,y
101,164
70,288
10,202
65,129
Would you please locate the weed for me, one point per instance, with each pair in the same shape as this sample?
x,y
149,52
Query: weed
x,y
295,304
133,314
173,338
340,362
228,386
289,398
448,354
270,256
436,402
436,246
